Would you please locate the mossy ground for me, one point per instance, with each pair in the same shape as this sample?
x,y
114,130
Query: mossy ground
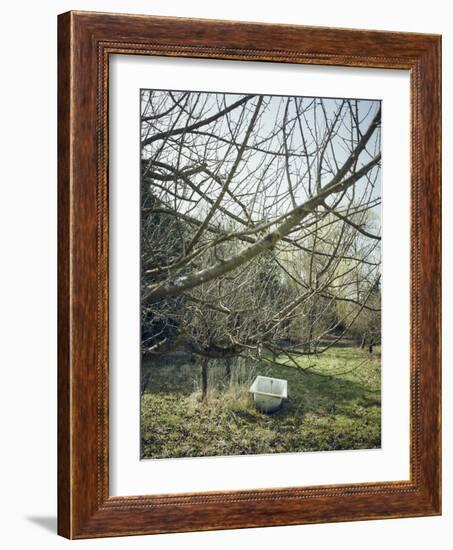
x,y
335,405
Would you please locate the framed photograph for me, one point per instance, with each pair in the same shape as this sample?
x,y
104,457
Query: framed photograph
x,y
249,275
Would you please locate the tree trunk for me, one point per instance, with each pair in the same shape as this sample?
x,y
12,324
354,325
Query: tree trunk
x,y
363,342
204,378
311,322
228,369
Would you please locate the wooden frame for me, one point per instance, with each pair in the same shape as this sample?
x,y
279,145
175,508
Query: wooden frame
x,y
85,42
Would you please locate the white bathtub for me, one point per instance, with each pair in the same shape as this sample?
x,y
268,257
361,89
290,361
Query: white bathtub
x,y
268,393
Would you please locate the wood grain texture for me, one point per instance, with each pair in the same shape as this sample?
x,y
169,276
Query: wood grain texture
x,y
64,369
85,42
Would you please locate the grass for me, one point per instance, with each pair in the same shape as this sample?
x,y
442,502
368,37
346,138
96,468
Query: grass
x,y
334,405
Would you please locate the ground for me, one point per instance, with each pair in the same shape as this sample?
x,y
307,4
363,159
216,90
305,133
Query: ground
x,y
333,405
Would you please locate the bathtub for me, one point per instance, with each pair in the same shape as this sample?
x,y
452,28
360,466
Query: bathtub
x,y
269,393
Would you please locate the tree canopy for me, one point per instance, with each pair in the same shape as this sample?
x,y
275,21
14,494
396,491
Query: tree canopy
x,y
260,228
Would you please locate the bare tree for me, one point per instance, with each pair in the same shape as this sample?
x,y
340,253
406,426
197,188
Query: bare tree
x,y
260,222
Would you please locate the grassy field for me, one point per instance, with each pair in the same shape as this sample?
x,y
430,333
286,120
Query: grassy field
x,y
335,404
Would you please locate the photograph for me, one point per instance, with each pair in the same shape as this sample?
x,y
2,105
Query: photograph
x,y
260,274
225,275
